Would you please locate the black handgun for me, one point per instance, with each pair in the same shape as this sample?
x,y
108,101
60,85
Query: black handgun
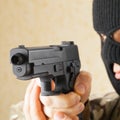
x,y
59,63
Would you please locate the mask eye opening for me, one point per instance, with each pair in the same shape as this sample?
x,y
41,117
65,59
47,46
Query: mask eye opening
x,y
115,35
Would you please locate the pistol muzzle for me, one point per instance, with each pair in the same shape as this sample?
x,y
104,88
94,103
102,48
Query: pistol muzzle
x,y
18,59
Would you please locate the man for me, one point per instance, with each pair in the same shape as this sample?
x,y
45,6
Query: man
x,y
106,21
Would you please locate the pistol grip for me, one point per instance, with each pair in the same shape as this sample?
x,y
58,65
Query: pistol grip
x,y
46,87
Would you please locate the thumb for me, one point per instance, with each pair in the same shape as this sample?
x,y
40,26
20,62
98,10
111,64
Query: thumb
x,y
83,85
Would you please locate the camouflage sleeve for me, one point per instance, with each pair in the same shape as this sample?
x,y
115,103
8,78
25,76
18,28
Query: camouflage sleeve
x,y
105,108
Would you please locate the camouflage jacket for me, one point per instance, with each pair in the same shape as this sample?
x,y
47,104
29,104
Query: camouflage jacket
x,y
105,108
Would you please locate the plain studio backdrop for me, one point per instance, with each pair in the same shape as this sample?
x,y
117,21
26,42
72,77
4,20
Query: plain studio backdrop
x,y
46,22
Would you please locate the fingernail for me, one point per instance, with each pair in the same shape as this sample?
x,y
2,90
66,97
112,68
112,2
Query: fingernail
x,y
59,116
81,88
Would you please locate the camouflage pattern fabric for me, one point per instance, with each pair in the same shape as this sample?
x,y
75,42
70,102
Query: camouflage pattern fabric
x,y
105,108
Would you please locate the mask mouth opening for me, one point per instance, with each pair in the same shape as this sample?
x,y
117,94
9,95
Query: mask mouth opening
x,y
115,82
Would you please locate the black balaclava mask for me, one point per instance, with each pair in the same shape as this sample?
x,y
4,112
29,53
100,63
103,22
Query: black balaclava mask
x,y
106,20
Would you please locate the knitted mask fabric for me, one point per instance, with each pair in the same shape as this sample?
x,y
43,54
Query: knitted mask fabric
x,y
106,20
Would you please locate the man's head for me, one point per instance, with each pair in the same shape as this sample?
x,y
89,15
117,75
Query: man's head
x,y
106,22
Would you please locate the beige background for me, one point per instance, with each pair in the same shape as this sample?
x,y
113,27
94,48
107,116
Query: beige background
x,y
44,22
